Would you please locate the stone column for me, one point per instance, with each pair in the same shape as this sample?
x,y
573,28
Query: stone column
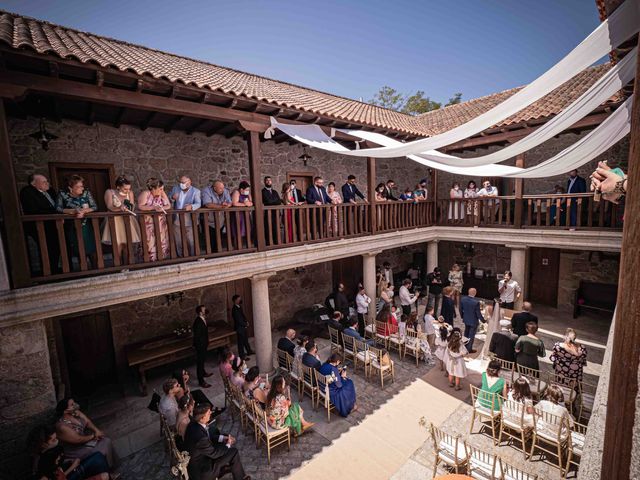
x,y
519,270
369,281
432,255
262,321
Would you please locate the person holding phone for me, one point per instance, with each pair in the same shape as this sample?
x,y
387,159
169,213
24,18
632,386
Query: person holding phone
x,y
342,391
281,411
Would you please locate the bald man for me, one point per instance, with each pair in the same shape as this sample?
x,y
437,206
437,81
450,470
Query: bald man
x,y
287,343
471,316
519,320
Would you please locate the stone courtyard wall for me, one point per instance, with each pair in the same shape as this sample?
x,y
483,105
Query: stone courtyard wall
x,y
592,266
153,153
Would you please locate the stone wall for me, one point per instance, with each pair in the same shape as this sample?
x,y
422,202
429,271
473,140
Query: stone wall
x,y
616,156
153,153
27,391
592,266
496,258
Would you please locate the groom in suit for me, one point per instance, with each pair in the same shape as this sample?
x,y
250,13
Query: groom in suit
x,y
471,316
38,198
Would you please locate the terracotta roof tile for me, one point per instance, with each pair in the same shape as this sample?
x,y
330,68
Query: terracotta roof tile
x,y
21,32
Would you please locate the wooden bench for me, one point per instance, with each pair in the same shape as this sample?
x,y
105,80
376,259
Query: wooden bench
x,y
167,349
595,296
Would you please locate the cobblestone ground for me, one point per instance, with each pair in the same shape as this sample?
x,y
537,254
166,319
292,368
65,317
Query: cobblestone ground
x,y
152,464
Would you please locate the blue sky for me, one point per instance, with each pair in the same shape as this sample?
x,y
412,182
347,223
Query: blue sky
x,y
350,48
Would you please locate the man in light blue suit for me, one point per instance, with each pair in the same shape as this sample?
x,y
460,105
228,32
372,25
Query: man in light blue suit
x,y
185,198
352,331
471,316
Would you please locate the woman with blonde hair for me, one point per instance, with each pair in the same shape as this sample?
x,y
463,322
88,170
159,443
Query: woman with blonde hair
x,y
456,283
569,357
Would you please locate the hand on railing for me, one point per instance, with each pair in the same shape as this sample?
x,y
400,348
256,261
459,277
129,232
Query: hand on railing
x,y
608,182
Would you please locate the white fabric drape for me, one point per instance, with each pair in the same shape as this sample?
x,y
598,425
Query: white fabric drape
x,y
610,83
620,26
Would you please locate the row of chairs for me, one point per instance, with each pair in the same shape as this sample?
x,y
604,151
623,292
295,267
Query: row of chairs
x,y
178,461
557,435
579,396
361,353
462,457
252,415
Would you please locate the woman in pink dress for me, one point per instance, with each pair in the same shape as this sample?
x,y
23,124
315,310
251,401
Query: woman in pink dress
x,y
155,199
336,199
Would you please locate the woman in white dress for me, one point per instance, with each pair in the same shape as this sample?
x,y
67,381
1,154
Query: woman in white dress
x,y
456,205
122,200
470,193
456,367
521,393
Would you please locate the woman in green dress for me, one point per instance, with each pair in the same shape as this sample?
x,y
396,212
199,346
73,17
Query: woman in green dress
x,y
281,411
492,383
529,348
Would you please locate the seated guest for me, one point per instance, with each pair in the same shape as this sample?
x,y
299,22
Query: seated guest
x,y
492,382
254,388
519,320
225,365
337,321
168,405
210,451
286,343
281,411
78,434
554,403
342,391
407,195
299,352
391,324
42,443
185,410
520,392
239,370
503,343
310,358
52,467
38,198
352,331
182,376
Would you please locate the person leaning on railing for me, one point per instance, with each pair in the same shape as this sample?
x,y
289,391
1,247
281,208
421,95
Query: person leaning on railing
x,y
78,201
120,200
155,199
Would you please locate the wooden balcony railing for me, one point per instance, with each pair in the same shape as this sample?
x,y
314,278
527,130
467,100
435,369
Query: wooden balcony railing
x,y
62,246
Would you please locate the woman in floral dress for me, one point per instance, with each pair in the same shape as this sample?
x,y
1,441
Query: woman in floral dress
x,y
470,193
155,199
336,199
569,357
456,282
281,411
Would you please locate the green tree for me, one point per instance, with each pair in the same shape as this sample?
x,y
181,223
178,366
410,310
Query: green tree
x,y
388,97
418,103
457,98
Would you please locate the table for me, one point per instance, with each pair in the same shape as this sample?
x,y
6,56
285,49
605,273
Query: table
x,y
166,349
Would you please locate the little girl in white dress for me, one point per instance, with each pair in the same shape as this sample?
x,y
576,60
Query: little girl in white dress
x,y
456,352
441,346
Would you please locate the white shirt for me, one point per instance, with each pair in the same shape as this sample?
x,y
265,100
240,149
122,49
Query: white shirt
x,y
362,303
488,192
428,324
388,275
406,298
508,294
168,407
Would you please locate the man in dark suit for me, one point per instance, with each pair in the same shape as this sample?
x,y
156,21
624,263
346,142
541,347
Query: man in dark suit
x,y
350,191
448,306
519,320
210,450
271,198
503,343
575,184
201,344
471,316
38,198
296,193
286,343
388,190
316,193
310,359
240,325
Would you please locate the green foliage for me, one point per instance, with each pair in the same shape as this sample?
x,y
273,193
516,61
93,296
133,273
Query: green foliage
x,y
415,104
388,97
418,103
457,98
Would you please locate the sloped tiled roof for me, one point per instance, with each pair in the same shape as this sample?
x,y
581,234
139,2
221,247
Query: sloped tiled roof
x,y
443,119
20,32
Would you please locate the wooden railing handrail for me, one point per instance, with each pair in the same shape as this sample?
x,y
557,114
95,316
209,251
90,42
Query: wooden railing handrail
x,y
557,195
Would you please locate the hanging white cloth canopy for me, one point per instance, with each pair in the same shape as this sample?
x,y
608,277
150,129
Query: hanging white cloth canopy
x,y
620,26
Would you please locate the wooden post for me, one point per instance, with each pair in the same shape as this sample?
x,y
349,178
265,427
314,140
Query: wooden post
x,y
371,192
519,188
621,404
16,244
255,161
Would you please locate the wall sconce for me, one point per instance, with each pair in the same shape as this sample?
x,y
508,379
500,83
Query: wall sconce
x,y
174,297
469,249
43,136
305,157
299,270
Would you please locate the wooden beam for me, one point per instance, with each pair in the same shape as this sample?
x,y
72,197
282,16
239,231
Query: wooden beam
x,y
145,123
54,70
255,165
99,79
118,121
519,191
172,123
222,130
196,126
623,378
10,204
371,193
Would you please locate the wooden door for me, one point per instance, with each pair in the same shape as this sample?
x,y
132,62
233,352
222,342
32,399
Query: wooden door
x,y
98,178
303,180
243,288
348,271
544,267
89,353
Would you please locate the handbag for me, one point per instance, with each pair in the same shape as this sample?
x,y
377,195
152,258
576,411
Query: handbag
x,y
154,403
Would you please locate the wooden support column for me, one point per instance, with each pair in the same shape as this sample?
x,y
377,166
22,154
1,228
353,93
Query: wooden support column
x,y
623,394
371,192
16,244
519,190
255,163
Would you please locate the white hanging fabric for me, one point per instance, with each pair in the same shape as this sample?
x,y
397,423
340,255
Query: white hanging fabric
x,y
606,86
596,142
620,26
